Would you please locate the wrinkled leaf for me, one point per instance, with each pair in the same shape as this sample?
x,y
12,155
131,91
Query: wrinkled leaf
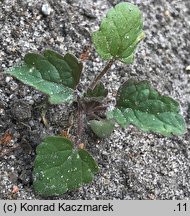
x,y
59,167
145,108
98,92
119,33
102,128
57,92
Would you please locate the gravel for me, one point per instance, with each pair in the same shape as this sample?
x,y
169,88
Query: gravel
x,y
133,164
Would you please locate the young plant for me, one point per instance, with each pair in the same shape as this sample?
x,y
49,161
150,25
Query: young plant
x,y
63,164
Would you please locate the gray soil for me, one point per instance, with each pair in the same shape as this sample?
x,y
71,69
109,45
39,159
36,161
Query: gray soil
x,y
133,164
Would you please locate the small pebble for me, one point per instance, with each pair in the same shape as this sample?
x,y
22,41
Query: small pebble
x,y
167,13
46,9
1,111
8,79
188,68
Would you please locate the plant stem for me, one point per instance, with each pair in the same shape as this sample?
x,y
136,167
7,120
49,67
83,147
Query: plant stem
x,y
80,119
101,74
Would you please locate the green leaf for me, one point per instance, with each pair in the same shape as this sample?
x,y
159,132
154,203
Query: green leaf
x,y
57,92
119,33
60,167
98,92
102,128
45,69
118,116
68,67
145,108
52,74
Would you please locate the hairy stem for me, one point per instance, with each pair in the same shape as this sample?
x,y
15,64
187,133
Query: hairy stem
x,y
101,74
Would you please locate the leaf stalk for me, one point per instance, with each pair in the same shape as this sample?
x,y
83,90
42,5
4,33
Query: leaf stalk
x,y
101,74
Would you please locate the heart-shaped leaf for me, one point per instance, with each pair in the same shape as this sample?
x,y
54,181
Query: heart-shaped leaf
x,y
57,92
52,74
99,92
119,33
145,108
59,167
102,128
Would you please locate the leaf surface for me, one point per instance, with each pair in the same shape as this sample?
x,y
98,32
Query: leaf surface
x,y
59,167
102,128
144,107
120,32
68,67
118,116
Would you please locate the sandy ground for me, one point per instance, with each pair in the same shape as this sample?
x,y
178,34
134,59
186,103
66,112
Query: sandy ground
x,y
133,164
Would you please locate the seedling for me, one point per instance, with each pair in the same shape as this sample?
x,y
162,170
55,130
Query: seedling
x,y
63,164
